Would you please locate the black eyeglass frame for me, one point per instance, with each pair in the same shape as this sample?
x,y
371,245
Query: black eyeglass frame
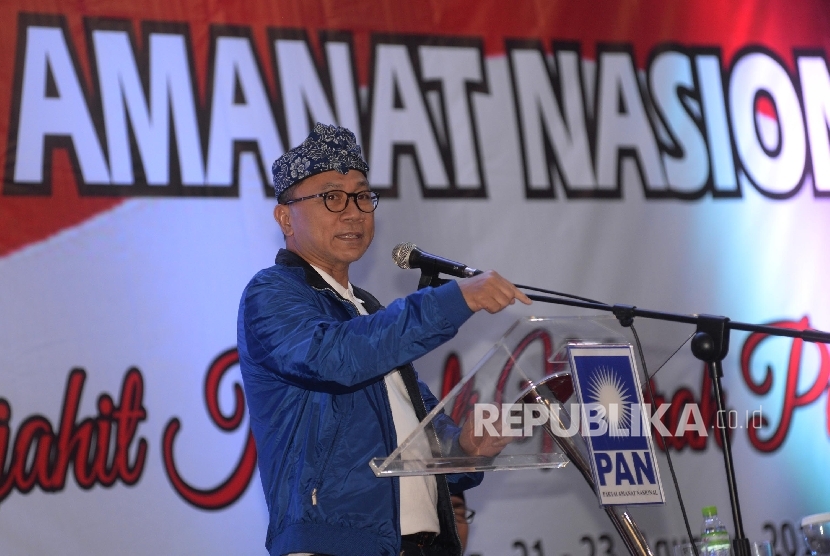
x,y
373,195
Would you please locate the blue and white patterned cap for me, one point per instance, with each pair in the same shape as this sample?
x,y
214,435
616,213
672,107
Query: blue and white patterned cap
x,y
327,147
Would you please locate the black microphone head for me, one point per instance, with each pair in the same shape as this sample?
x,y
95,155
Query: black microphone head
x,y
400,254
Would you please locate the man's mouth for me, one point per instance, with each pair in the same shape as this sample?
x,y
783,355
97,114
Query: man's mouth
x,y
349,235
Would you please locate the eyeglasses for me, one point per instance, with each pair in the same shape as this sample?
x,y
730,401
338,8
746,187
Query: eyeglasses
x,y
466,515
337,200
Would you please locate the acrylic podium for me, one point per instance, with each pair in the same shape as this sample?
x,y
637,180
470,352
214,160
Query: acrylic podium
x,y
528,367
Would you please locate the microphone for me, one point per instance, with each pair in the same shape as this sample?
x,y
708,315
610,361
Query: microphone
x,y
407,255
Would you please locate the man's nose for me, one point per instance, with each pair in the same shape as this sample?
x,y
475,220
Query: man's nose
x,y
351,211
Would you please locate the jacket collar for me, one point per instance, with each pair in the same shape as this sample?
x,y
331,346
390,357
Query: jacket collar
x,y
313,279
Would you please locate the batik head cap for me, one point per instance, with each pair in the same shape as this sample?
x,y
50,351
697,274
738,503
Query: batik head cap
x,y
327,147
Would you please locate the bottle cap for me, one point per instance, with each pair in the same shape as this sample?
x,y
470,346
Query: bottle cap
x,y
815,519
709,511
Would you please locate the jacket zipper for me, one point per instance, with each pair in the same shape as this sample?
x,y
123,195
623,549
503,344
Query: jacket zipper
x,y
340,298
337,430
339,422
325,464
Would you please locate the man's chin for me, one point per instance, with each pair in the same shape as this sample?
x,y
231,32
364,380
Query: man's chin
x,y
359,245
352,254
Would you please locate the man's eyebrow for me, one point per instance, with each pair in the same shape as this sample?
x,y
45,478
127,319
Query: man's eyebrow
x,y
332,185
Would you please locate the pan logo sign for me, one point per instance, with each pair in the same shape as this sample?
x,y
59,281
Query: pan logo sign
x,y
619,441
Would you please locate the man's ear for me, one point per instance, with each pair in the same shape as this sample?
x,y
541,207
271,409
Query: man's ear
x,y
283,217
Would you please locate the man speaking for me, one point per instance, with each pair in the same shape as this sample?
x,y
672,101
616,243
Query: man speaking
x,y
328,376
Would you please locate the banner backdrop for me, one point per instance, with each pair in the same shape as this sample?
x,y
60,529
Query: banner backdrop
x,y
669,155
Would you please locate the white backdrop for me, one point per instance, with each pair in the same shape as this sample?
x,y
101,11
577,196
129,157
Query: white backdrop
x,y
150,280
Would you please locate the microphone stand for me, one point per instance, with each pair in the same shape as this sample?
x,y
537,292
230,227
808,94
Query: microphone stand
x,y
429,276
710,344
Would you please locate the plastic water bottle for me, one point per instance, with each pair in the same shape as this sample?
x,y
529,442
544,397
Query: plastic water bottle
x,y
714,537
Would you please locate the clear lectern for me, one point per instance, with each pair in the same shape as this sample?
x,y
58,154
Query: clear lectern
x,y
523,388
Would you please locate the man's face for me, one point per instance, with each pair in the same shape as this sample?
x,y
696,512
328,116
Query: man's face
x,y
329,240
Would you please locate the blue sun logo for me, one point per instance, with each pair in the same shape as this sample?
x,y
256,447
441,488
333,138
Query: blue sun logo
x,y
607,389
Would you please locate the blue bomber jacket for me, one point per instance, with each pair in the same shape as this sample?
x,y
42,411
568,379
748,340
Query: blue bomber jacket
x,y
313,370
